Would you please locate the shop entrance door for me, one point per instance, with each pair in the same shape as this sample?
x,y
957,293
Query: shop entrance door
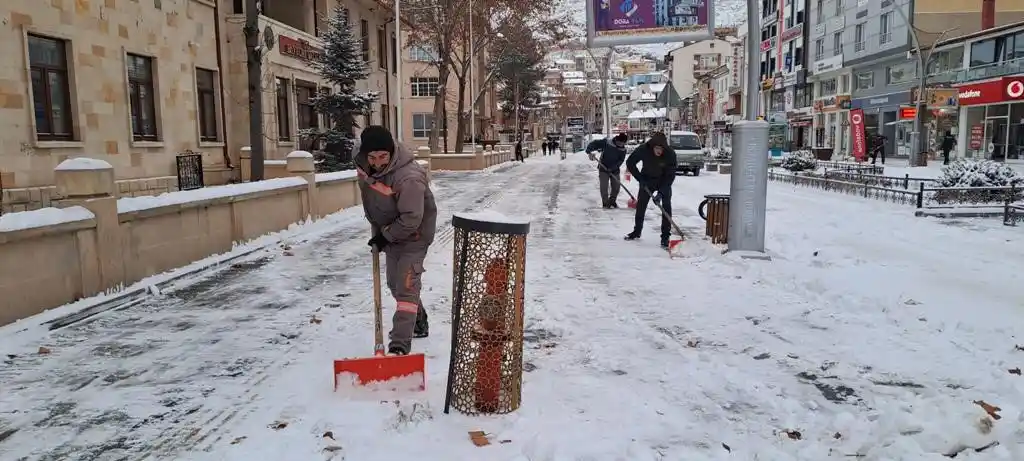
x,y
996,136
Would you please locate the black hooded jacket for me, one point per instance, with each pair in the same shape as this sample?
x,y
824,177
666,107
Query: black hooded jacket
x,y
658,171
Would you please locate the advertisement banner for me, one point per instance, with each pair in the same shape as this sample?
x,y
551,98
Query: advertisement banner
x,y
860,142
575,125
642,22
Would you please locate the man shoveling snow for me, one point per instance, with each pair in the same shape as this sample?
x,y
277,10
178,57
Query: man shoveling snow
x,y
400,206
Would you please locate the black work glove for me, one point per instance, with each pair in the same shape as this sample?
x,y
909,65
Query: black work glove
x,y
378,242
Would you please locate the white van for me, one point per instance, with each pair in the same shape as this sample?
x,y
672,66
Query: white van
x,y
689,151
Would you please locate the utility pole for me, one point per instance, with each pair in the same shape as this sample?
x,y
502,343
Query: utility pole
x,y
254,65
398,69
748,188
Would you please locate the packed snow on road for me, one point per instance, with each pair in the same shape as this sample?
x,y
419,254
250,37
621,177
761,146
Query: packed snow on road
x,y
871,334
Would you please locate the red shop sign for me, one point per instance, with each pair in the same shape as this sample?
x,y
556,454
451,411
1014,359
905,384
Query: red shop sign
x,y
994,91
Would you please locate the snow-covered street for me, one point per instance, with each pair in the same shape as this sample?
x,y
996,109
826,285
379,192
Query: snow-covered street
x,y
871,334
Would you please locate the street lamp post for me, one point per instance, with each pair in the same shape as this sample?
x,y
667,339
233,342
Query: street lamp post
x,y
919,140
748,188
472,81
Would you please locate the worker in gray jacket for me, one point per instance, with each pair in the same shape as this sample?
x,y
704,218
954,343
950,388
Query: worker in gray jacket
x,y
613,153
400,206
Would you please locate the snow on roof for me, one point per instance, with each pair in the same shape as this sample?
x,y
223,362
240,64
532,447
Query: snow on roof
x,y
647,97
83,163
575,81
647,113
564,61
656,87
12,222
573,74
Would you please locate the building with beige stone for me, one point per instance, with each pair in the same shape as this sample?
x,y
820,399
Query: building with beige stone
x,y
422,84
137,83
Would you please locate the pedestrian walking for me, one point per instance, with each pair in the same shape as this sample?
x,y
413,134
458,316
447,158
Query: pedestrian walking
x,y
613,153
400,207
655,175
519,150
544,147
554,147
948,143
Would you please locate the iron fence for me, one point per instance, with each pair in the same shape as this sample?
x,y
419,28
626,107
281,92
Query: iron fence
x,y
1013,213
968,197
901,196
851,167
905,182
190,171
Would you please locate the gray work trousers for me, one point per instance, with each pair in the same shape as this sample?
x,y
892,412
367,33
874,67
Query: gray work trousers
x,y
403,268
607,181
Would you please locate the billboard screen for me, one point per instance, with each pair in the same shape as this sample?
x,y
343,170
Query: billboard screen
x,y
641,22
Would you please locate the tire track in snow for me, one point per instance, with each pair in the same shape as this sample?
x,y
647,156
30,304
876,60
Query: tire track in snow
x,y
182,409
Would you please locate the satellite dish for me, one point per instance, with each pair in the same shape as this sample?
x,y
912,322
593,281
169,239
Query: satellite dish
x,y
268,38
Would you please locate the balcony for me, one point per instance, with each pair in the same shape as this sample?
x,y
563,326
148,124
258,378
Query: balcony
x,y
858,47
998,69
885,38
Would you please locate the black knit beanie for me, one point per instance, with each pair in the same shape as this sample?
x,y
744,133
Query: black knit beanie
x,y
375,138
658,139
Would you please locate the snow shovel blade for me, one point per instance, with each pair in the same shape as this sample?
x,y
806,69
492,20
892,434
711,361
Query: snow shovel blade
x,y
384,368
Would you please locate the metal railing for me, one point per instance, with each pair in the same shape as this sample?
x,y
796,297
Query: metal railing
x,y
190,170
884,38
858,46
900,196
968,197
996,69
924,197
905,182
851,166
1013,213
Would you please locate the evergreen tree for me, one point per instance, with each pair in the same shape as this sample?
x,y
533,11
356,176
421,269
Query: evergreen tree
x,y
342,66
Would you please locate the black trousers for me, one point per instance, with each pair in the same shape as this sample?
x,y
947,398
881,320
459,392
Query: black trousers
x,y
519,156
643,199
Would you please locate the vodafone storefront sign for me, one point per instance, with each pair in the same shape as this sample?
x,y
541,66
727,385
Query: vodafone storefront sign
x,y
1006,89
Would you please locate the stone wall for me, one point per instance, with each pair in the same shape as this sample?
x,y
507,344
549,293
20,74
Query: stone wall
x,y
90,241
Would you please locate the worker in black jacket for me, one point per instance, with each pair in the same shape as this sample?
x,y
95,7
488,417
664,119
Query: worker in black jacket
x,y
613,153
656,175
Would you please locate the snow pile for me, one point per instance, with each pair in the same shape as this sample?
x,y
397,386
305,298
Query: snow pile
x,y
336,175
801,160
83,163
979,173
299,154
43,217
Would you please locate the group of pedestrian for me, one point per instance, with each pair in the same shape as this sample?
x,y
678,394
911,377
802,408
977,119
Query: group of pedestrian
x,y
549,147
652,165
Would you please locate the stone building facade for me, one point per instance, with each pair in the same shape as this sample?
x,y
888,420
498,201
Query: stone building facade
x,y
137,82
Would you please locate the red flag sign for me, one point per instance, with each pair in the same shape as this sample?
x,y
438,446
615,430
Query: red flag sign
x,y
860,142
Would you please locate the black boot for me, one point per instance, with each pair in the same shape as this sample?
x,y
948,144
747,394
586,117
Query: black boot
x,y
422,328
613,204
397,350
664,241
632,236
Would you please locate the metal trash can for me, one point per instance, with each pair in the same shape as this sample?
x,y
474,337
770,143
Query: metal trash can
x,y
714,210
485,373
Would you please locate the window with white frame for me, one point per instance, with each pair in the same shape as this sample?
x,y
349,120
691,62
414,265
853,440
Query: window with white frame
x,y
819,49
900,73
827,88
865,80
422,123
885,28
422,53
837,44
423,87
858,38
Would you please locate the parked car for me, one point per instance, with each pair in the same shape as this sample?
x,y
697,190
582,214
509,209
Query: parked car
x,y
689,151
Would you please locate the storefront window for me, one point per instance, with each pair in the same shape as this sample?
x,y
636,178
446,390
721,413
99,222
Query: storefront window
x,y
975,119
871,124
1015,146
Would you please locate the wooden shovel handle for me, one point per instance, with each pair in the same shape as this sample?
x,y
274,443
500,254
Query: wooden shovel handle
x,y
378,309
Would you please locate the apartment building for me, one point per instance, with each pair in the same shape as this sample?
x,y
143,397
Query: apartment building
x,y
136,83
420,72
863,58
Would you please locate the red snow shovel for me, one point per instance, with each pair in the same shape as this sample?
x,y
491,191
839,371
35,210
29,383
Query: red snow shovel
x,y
381,368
